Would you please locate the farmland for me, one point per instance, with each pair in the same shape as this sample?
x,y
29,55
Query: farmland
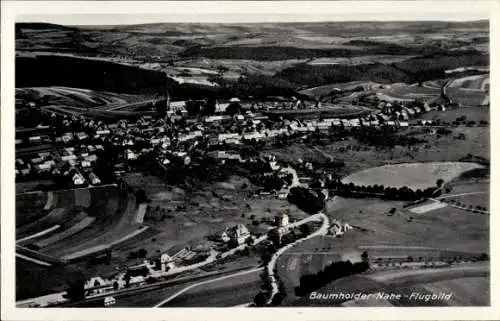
x,y
202,185
472,83
413,175
190,216
461,230
408,282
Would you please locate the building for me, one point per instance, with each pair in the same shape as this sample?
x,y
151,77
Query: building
x,y
282,220
237,234
94,179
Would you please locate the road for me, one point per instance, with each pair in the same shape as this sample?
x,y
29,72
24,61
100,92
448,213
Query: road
x,y
225,291
271,265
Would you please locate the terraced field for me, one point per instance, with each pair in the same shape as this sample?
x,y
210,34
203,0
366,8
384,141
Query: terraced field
x,y
78,223
78,97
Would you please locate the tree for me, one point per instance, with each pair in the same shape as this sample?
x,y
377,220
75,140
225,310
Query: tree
x,y
260,299
305,229
439,182
364,256
76,286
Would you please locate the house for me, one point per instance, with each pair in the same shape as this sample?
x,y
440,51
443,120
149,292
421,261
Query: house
x,y
35,139
237,234
94,179
103,132
76,177
282,220
81,136
69,157
130,155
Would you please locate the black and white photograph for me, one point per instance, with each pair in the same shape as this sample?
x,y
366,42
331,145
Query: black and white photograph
x,y
201,158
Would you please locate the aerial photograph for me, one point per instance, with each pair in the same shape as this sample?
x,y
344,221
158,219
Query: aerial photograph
x,y
252,164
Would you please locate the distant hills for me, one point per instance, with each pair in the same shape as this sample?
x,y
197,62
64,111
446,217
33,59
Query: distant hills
x,y
424,50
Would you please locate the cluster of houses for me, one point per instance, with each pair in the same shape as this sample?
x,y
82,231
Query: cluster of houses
x,y
172,140
74,164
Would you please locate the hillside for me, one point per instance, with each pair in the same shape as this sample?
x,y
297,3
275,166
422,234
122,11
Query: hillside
x,y
267,40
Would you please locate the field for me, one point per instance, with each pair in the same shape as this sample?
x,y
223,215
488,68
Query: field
x,y
472,83
475,114
406,92
406,282
337,112
310,54
468,97
191,216
414,175
449,227
470,90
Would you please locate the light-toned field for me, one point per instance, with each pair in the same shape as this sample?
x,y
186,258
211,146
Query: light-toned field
x,y
455,280
466,291
191,216
78,97
468,97
384,59
427,207
409,92
475,83
413,175
449,227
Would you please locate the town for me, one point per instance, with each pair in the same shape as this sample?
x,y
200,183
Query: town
x,y
217,176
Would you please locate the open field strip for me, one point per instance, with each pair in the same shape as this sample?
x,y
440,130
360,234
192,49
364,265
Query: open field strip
x,y
141,212
51,200
396,247
85,252
70,189
468,209
32,260
428,207
53,217
413,175
129,236
39,234
103,247
463,194
87,221
205,282
471,83
462,289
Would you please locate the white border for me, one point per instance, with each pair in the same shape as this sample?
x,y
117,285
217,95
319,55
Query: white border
x,y
376,10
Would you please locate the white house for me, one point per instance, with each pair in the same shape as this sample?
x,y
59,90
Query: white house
x,y
238,234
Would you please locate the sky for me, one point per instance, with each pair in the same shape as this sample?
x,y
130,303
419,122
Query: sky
x,y
130,12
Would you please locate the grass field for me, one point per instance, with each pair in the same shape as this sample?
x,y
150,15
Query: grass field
x,y
78,97
452,228
357,156
468,98
407,92
191,216
413,175
406,282
474,83
476,114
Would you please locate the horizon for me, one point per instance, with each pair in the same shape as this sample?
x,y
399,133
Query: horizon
x,y
484,20
151,12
